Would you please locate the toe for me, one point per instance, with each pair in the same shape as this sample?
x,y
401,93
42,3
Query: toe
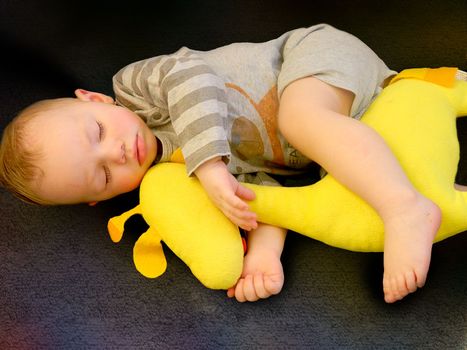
x,y
411,281
261,291
249,289
420,276
239,294
395,289
401,286
388,288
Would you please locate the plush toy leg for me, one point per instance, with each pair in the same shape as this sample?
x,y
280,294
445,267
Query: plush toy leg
x,y
421,131
325,211
148,255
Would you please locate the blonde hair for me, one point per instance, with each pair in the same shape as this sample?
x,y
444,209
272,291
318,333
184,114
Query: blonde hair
x,y
18,169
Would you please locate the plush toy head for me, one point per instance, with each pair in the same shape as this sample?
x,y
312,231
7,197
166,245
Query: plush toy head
x,y
416,118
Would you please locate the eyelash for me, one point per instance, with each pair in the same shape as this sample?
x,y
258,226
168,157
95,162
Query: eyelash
x,y
101,130
101,136
107,175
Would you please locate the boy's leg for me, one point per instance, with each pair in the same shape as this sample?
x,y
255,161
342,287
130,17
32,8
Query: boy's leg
x,y
262,274
312,117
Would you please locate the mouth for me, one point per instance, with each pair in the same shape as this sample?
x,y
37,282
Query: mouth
x,y
140,149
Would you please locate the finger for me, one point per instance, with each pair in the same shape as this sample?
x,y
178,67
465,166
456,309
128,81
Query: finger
x,y
245,193
246,225
245,220
231,292
240,215
236,207
261,292
236,202
239,295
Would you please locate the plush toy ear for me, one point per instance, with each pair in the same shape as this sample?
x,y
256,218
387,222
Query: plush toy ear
x,y
148,255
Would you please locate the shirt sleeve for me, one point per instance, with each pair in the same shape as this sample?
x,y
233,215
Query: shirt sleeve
x,y
183,90
197,107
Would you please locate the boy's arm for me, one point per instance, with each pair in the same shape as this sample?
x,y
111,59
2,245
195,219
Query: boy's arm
x,y
181,90
197,106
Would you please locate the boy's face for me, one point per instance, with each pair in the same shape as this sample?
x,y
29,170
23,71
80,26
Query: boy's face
x,y
92,151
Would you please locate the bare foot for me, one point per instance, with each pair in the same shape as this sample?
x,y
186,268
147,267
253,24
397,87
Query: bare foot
x,y
409,234
262,276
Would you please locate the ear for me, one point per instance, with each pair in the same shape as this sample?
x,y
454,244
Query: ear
x,y
85,95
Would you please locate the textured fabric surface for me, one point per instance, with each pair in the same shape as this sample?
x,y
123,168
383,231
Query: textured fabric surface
x,y
65,285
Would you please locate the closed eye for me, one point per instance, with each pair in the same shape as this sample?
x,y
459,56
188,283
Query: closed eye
x,y
108,176
101,130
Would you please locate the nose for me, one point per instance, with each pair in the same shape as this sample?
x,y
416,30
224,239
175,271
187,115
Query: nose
x,y
115,152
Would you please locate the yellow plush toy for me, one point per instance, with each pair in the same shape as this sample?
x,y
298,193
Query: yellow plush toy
x,y
417,118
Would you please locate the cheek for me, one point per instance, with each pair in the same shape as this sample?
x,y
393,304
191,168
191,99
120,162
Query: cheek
x,y
127,119
128,181
129,185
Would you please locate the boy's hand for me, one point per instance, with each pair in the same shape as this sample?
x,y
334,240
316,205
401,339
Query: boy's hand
x,y
227,193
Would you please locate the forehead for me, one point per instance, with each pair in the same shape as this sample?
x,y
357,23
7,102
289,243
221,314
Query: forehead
x,y
53,128
62,138
53,117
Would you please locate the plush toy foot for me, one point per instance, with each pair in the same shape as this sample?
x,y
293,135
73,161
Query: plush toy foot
x,y
409,235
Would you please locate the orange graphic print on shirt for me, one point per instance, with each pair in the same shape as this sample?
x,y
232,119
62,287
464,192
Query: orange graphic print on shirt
x,y
246,139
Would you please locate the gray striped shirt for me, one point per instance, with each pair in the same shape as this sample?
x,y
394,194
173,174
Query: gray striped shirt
x,y
224,102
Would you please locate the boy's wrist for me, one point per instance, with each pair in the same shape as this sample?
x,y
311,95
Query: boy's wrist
x,y
210,165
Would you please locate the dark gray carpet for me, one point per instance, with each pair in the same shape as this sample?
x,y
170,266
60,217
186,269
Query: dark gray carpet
x,y
65,285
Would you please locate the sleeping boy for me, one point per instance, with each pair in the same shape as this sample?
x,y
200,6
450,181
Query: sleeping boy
x,y
238,113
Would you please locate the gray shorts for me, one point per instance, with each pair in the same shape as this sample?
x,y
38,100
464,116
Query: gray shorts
x,y
337,58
